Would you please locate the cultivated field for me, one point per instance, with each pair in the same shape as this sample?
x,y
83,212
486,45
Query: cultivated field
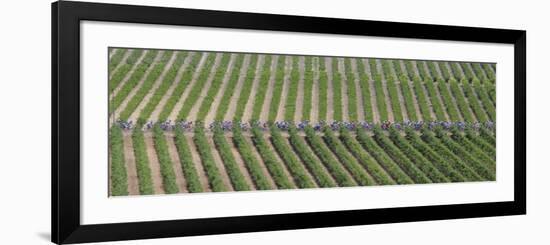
x,y
184,121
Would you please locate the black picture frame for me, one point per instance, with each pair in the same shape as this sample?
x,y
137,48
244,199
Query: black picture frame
x,y
66,18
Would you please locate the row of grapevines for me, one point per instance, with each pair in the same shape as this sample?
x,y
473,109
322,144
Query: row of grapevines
x,y
323,89
480,74
336,90
215,86
195,91
302,150
186,161
460,101
490,72
351,164
365,90
277,89
458,164
491,90
252,163
262,88
231,166
166,167
452,111
397,68
440,162
119,176
293,163
142,162
167,81
370,145
434,97
482,144
422,99
423,72
308,88
473,101
207,159
115,59
270,160
393,92
373,68
410,152
485,99
444,70
457,72
407,95
351,90
488,136
379,90
473,149
375,170
468,72
433,71
186,78
229,90
247,87
123,70
145,87
293,83
410,69
324,154
134,79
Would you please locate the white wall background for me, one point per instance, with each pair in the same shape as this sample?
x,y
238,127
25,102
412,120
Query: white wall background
x,y
25,96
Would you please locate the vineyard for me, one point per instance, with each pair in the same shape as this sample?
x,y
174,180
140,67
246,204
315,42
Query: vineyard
x,y
186,122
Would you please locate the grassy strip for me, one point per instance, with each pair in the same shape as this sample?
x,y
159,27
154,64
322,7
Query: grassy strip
x,y
142,163
473,101
116,58
433,71
482,94
168,80
351,91
490,73
166,167
336,90
134,79
436,104
461,102
309,160
308,88
195,91
350,163
370,145
324,154
121,72
439,161
407,165
187,165
452,111
215,86
457,163
365,90
270,160
423,72
119,176
252,164
277,89
392,91
365,159
299,173
207,159
407,95
261,90
146,86
229,90
294,82
231,166
323,90
180,88
422,100
416,157
473,149
444,70
457,73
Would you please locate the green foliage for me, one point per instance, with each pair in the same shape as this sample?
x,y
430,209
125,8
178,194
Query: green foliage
x,y
294,81
392,91
488,105
457,72
119,176
261,90
308,88
299,173
273,164
230,88
215,86
444,70
336,90
408,97
142,163
467,71
207,159
351,91
490,72
410,69
199,84
488,136
461,102
365,90
479,73
277,89
380,98
166,167
115,59
484,157
252,163
452,111
473,101
434,97
397,68
323,90
421,67
482,144
433,71
422,100
324,154
302,150
123,70
231,166
187,163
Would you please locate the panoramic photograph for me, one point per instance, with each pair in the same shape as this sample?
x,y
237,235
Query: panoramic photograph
x,y
183,121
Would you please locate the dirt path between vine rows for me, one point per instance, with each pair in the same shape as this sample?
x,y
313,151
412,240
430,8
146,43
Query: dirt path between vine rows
x,y
135,114
261,161
198,164
156,175
314,115
230,113
193,113
241,164
174,113
130,162
286,84
127,53
344,90
300,93
372,95
128,75
158,109
247,115
386,95
400,96
358,91
172,150
219,163
264,115
218,97
330,89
